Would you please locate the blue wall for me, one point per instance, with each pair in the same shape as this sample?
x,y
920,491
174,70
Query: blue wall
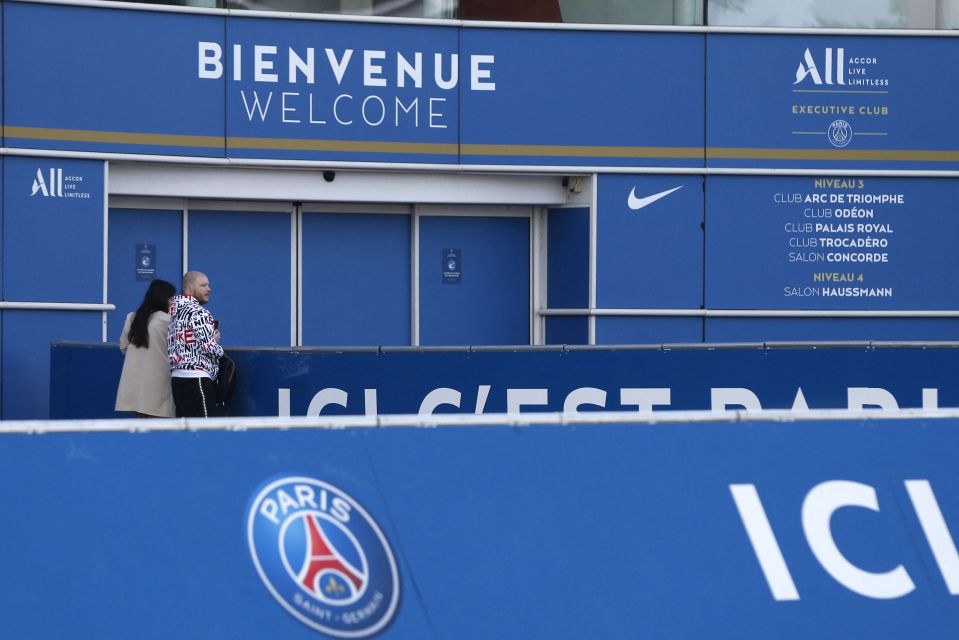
x,y
203,100
190,84
53,216
66,227
536,532
652,115
741,244
650,257
537,379
116,67
765,100
567,273
767,110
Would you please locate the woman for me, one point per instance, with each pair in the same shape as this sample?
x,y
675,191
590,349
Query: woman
x,y
145,381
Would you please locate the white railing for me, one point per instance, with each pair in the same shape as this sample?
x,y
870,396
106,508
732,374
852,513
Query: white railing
x,y
529,420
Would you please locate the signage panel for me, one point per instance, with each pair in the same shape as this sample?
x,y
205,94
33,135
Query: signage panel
x,y
146,262
366,382
831,243
53,229
835,529
363,91
831,101
91,79
650,239
584,98
452,266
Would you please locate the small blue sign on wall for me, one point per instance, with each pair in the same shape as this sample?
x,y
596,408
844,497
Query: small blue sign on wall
x,y
452,266
146,261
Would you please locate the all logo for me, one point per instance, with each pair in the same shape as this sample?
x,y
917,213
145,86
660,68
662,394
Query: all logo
x,y
833,71
53,184
53,189
323,557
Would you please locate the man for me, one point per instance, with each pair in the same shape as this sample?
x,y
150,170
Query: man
x,y
194,349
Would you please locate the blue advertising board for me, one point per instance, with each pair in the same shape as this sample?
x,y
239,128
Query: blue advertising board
x,y
57,205
313,89
831,243
413,381
53,251
650,242
585,98
832,530
255,87
93,79
831,101
802,329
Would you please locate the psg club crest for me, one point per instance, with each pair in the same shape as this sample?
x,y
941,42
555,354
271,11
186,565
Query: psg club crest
x,y
323,557
839,133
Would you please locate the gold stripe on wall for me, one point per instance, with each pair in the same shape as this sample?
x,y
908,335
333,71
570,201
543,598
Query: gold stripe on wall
x,y
734,153
547,150
295,144
451,149
113,137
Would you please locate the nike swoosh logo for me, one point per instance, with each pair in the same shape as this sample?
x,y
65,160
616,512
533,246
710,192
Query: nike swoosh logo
x,y
638,203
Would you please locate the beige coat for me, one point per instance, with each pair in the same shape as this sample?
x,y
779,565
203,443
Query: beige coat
x,y
145,381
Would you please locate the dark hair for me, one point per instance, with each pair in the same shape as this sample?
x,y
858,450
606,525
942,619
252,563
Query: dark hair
x,y
156,299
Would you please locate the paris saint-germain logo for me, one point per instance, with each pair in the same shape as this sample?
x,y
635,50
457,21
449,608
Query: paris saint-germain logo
x,y
323,557
839,133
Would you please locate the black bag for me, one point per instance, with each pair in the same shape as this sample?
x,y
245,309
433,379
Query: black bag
x,y
225,383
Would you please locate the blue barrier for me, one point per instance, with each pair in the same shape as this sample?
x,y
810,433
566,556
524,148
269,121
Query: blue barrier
x,y
490,380
706,529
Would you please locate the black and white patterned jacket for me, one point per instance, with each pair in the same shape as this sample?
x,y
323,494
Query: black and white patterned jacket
x,y
190,342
